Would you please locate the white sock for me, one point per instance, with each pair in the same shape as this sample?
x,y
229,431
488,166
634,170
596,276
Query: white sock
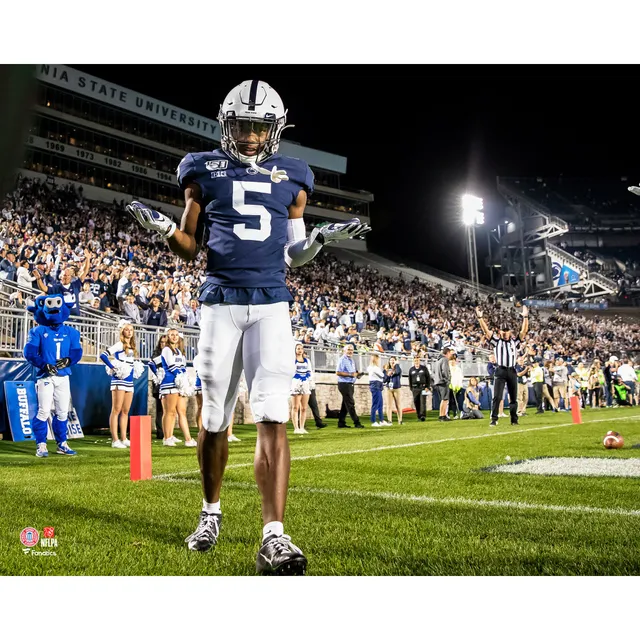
x,y
211,507
272,529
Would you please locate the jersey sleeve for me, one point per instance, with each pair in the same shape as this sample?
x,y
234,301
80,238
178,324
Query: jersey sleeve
x,y
309,180
112,350
187,171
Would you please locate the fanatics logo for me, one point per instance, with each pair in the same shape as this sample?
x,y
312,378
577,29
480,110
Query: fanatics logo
x,y
216,165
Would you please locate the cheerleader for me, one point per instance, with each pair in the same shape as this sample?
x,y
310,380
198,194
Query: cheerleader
x,y
123,365
174,390
156,377
300,390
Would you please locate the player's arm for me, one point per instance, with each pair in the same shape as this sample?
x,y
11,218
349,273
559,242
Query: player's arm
x,y
299,249
183,241
483,325
31,349
525,322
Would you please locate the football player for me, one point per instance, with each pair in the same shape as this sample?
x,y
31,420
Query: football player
x,y
251,201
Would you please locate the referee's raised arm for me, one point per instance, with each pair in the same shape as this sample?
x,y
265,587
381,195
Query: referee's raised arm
x,y
483,324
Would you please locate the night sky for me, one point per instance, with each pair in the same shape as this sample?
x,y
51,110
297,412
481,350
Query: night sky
x,y
418,137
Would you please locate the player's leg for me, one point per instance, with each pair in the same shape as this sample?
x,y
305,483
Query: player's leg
x,y
44,391
220,368
117,400
269,363
183,423
62,402
124,416
169,413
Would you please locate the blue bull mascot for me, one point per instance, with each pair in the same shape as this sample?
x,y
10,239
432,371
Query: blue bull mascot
x,y
52,348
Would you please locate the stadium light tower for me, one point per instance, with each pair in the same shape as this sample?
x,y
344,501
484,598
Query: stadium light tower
x,y
472,215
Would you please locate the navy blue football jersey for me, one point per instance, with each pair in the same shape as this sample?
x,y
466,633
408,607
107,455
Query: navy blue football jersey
x,y
246,216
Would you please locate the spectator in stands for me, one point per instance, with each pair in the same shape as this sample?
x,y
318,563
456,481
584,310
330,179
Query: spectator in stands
x,y
130,308
156,316
85,296
419,383
347,373
24,278
193,314
393,381
8,267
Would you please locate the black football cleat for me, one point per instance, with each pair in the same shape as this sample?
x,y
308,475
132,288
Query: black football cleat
x,y
278,556
206,535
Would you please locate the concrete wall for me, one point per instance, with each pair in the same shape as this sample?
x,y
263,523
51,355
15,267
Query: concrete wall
x,y
326,392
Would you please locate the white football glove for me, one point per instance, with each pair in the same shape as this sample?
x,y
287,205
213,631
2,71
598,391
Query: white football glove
x,y
634,190
335,231
151,219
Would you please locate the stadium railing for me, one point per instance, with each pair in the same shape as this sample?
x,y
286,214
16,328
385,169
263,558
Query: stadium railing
x,y
99,334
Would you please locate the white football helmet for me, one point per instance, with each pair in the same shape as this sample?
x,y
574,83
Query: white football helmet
x,y
252,119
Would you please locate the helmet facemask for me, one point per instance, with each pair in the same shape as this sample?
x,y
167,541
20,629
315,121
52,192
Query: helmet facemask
x,y
250,140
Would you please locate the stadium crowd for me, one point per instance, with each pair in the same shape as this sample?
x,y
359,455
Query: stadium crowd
x,y
52,238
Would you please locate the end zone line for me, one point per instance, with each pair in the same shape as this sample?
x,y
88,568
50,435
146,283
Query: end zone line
x,y
463,502
165,476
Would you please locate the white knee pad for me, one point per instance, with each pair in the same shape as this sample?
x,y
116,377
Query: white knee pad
x,y
62,416
43,415
270,408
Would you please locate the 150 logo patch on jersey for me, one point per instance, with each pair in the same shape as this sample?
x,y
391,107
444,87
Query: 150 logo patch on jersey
x,y
216,165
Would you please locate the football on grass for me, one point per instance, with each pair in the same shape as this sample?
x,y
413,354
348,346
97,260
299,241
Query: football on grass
x,y
613,440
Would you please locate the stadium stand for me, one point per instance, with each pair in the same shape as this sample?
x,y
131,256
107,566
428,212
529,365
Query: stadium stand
x,y
380,307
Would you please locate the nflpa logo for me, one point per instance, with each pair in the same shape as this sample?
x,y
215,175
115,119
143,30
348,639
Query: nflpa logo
x,y
48,532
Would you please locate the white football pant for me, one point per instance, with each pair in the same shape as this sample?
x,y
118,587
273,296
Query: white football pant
x,y
52,391
256,338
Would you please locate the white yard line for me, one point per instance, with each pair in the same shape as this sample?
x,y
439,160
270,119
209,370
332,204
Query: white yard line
x,y
177,474
464,502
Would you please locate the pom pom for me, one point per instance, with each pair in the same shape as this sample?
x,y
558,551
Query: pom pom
x,y
122,370
185,385
138,369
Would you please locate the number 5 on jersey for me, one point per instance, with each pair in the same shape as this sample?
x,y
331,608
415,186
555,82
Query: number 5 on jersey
x,y
239,189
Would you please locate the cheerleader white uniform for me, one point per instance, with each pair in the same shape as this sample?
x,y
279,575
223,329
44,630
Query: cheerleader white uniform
x,y
117,352
198,385
173,364
301,383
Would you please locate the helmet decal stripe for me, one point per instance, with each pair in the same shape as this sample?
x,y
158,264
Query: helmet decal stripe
x,y
253,94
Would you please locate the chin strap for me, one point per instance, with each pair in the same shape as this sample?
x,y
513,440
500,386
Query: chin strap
x,y
276,175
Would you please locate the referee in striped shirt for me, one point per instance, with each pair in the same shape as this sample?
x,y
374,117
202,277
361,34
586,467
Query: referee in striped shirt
x,y
505,348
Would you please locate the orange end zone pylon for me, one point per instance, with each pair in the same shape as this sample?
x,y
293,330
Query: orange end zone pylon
x,y
576,414
140,450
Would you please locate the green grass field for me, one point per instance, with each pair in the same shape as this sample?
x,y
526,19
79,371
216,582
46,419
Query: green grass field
x,y
361,503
